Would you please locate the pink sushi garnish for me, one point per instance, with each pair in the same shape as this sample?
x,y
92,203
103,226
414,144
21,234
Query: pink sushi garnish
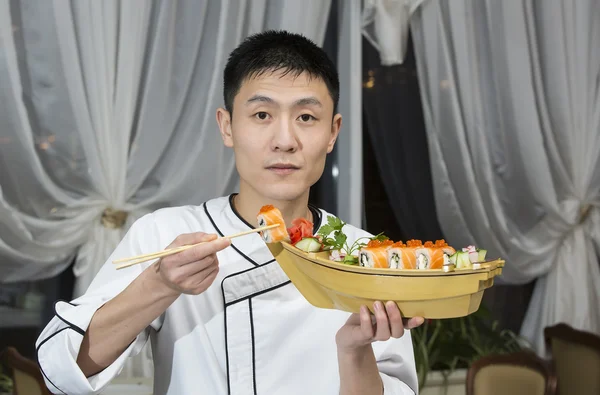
x,y
469,249
336,255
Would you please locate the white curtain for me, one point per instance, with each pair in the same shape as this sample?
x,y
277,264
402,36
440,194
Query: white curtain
x,y
108,112
511,95
348,169
385,24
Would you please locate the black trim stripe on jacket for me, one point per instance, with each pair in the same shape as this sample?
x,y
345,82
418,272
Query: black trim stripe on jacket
x,y
257,293
317,217
71,325
221,234
37,350
253,342
249,298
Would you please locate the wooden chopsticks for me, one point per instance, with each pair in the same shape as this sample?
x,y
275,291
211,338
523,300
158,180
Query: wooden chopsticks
x,y
134,260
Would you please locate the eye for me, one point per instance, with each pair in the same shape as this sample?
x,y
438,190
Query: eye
x,y
261,115
307,118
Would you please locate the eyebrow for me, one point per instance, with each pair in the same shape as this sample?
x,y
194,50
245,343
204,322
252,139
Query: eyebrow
x,y
308,101
305,101
261,99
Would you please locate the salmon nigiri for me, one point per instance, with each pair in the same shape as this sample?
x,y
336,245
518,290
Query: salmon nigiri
x,y
270,215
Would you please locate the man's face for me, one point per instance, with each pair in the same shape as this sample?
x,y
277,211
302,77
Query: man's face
x,y
282,129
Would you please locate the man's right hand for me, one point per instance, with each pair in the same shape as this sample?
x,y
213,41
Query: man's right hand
x,y
192,271
116,324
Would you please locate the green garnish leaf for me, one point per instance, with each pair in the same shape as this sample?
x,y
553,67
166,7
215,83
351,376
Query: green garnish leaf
x,y
380,237
340,238
325,230
335,223
335,239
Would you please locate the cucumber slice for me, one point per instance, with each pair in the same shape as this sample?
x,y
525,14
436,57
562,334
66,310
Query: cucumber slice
x,y
309,244
350,260
452,258
462,260
482,254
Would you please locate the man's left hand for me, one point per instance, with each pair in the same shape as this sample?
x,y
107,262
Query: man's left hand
x,y
364,328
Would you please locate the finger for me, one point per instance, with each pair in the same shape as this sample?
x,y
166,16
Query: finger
x,y
199,252
366,325
412,323
383,326
192,238
205,278
395,319
191,275
192,269
200,283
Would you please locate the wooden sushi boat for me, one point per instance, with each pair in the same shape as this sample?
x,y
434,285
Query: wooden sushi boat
x,y
453,290
432,293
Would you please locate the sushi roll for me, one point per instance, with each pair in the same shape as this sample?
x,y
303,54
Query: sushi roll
x,y
440,253
270,215
375,254
400,256
438,258
422,254
424,260
394,256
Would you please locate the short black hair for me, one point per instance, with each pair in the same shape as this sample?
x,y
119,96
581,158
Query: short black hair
x,y
273,51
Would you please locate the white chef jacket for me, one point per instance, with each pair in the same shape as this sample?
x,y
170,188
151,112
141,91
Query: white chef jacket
x,y
251,332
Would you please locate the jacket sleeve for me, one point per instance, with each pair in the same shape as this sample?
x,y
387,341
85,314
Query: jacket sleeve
x,y
397,368
59,342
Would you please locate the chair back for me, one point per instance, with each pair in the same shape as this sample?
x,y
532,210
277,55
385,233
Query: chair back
x,y
27,378
519,373
576,356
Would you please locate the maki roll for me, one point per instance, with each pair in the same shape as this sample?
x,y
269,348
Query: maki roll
x,y
404,256
440,253
270,215
424,259
401,257
375,254
422,254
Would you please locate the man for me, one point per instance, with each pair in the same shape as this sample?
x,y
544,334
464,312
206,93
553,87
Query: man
x,y
222,317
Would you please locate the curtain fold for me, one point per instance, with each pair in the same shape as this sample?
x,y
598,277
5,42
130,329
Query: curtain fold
x,y
510,93
109,113
511,101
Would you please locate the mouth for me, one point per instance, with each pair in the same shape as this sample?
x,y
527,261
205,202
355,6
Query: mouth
x,y
283,168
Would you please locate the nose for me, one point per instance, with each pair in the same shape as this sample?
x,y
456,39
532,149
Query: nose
x,y
285,138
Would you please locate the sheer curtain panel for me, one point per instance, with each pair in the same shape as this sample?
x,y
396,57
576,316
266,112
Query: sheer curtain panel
x,y
511,97
108,112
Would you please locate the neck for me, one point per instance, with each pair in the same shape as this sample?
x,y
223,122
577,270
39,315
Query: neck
x,y
248,203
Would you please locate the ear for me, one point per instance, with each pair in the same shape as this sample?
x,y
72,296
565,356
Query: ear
x,y
336,125
224,121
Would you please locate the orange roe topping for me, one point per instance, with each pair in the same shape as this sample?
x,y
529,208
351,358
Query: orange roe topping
x,y
378,243
414,243
428,244
441,243
267,208
398,244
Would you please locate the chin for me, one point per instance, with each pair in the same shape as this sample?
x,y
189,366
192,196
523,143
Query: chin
x,y
282,192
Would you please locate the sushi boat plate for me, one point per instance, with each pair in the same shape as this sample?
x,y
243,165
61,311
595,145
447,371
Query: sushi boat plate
x,y
430,293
